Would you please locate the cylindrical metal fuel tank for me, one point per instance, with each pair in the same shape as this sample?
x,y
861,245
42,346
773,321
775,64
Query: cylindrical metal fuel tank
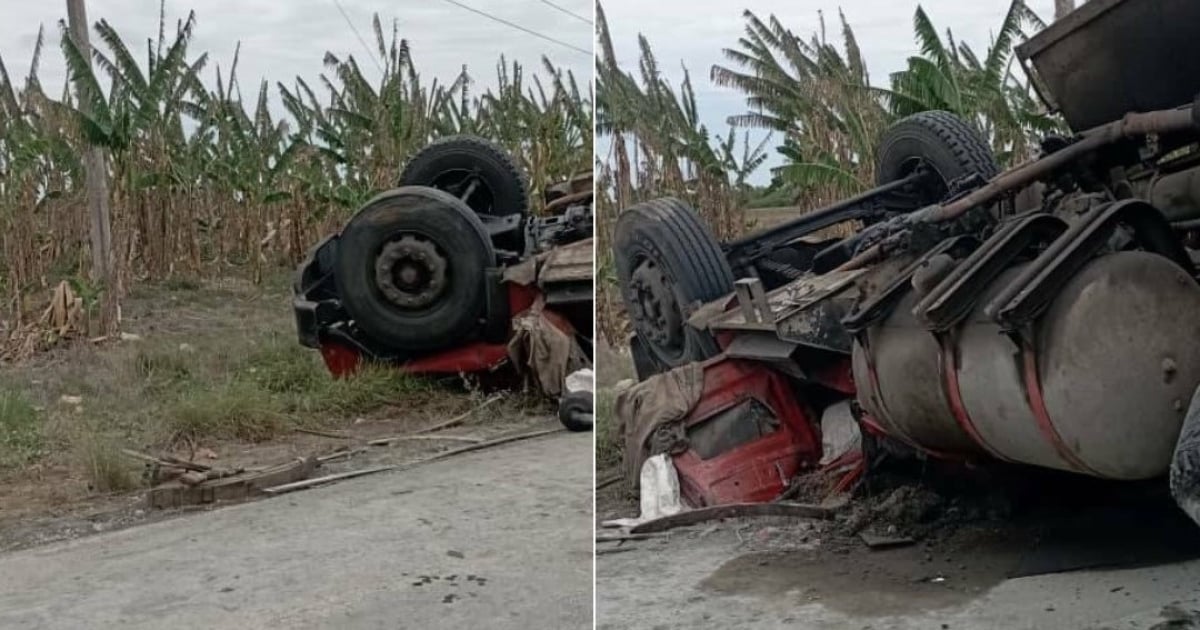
x,y
1101,387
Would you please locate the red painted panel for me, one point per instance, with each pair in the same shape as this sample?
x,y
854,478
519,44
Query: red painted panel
x,y
759,470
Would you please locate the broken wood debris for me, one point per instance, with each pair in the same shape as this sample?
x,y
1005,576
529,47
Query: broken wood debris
x,y
608,481
621,538
449,438
196,477
342,453
175,494
459,419
316,481
167,461
883,541
209,486
337,435
735,510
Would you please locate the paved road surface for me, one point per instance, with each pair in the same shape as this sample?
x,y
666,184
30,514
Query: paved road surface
x,y
666,585
499,539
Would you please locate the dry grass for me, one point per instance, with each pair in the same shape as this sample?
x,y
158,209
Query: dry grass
x,y
213,364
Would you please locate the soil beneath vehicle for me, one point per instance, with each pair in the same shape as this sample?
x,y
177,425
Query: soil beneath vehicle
x,y
942,541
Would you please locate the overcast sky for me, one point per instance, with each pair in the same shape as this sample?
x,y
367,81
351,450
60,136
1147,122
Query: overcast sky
x,y
693,32
285,38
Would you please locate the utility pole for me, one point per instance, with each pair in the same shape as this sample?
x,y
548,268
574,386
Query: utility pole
x,y
97,182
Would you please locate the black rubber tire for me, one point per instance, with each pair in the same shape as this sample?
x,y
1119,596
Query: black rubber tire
x,y
572,403
494,166
671,234
949,144
454,228
1184,477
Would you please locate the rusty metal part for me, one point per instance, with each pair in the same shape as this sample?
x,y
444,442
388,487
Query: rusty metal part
x,y
1030,293
1132,125
569,200
1124,323
1109,57
1177,195
569,263
954,297
900,362
877,305
748,250
410,272
656,314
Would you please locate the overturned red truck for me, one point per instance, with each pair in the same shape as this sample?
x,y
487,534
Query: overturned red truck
x,y
1047,315
450,273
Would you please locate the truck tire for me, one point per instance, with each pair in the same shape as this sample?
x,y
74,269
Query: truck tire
x,y
574,408
945,142
477,171
1185,465
668,264
410,269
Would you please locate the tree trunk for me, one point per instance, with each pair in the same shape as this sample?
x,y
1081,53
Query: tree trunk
x,y
97,188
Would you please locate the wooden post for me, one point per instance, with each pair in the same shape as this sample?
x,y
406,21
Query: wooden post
x,y
97,185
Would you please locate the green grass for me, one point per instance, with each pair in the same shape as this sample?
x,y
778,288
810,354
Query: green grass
x,y
106,468
274,386
608,446
21,438
219,363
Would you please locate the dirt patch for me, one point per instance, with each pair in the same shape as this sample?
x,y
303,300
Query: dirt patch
x,y
208,369
845,575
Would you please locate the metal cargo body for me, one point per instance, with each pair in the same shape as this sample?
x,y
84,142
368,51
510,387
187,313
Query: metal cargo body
x,y
1110,57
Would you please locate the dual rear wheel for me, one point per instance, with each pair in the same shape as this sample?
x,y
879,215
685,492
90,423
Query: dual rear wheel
x,y
411,264
669,263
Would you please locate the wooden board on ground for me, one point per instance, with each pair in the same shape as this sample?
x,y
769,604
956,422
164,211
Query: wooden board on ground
x,y
175,494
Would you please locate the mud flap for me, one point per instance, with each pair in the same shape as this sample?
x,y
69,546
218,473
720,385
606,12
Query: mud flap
x,y
1185,466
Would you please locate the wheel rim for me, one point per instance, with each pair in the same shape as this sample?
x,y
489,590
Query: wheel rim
x,y
470,187
656,314
935,188
410,271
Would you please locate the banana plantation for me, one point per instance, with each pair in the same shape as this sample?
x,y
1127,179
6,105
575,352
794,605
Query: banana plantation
x,y
208,179
817,101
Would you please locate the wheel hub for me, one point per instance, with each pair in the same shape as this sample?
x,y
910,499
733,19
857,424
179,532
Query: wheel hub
x,y
657,313
410,272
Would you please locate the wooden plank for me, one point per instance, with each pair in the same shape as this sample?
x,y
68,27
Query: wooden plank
x,y
309,483
176,494
734,510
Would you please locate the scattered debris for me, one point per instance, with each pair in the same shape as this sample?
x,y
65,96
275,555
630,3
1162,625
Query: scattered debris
x,y
402,438
342,453
736,510
1175,617
177,494
622,537
329,434
609,480
308,483
879,541
659,488
459,419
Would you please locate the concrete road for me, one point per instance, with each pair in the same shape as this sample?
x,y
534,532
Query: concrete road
x,y
498,539
684,583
